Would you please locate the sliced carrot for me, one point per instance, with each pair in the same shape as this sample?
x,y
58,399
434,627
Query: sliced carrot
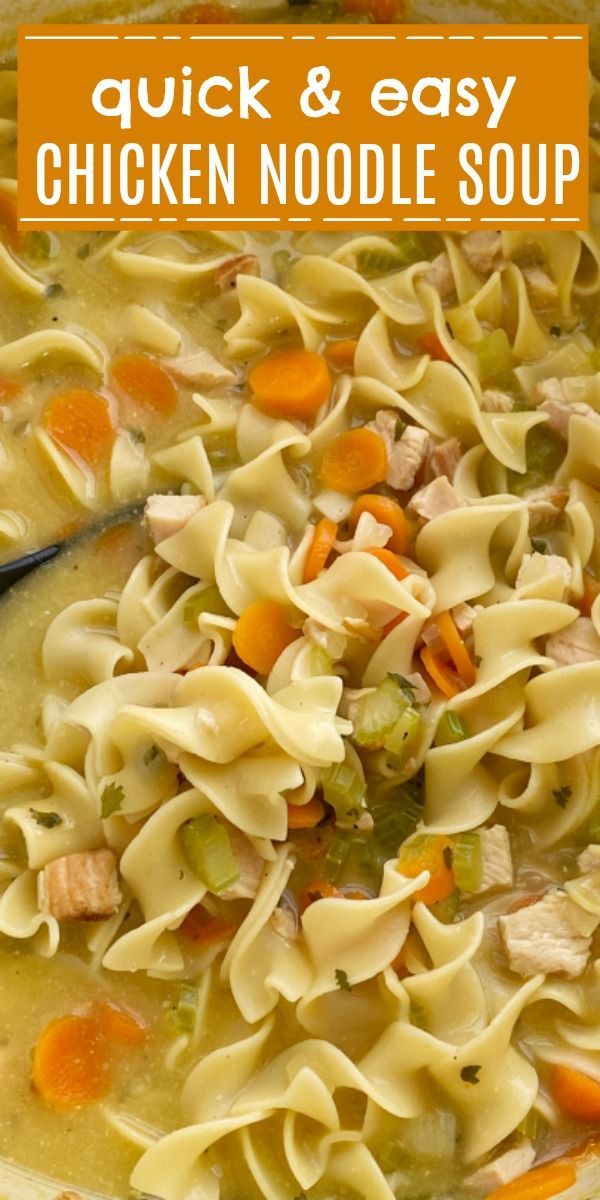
x,y
262,633
71,1062
317,889
442,677
9,223
538,1184
9,390
382,12
320,549
591,589
354,461
456,648
306,816
206,14
389,560
290,383
576,1094
431,853
341,354
395,621
524,902
80,422
430,344
140,378
120,1024
386,512
202,928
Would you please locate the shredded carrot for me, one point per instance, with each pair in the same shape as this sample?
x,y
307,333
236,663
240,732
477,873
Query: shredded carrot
x,y
386,512
9,390
206,14
395,621
431,854
456,648
524,902
141,379
538,1184
389,560
576,1094
80,422
9,224
202,928
440,674
291,383
354,461
317,889
120,1024
591,589
306,816
431,344
382,12
262,633
71,1062
320,549
341,354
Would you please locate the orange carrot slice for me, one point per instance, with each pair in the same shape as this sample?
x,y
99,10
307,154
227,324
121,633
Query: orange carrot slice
x,y
439,672
143,381
290,383
341,354
429,854
576,1094
389,560
9,390
386,512
306,816
320,549
538,1184
79,421
121,1025
204,929
354,461
431,344
317,889
262,633
71,1062
456,648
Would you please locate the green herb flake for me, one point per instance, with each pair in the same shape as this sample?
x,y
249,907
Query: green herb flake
x,y
561,795
342,980
448,857
153,752
137,435
470,1074
111,800
47,820
399,430
539,546
404,684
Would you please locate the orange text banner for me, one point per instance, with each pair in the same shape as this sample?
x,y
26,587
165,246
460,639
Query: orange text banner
x,y
300,127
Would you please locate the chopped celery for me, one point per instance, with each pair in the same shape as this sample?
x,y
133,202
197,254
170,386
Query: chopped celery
x,y
450,729
417,247
321,663
446,910
206,846
337,857
395,818
495,358
378,713
467,862
545,453
430,1136
378,262
406,734
532,1125
184,1015
392,1156
208,601
344,786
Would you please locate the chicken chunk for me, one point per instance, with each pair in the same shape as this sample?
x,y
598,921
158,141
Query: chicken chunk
x,y
406,454
440,276
559,414
501,1170
483,250
577,643
464,617
549,389
243,264
495,401
334,644
536,567
442,459
551,936
541,286
496,859
167,515
589,859
81,887
545,505
200,369
250,866
436,499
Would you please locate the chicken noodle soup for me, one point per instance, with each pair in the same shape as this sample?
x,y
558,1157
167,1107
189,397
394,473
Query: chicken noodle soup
x,y
300,839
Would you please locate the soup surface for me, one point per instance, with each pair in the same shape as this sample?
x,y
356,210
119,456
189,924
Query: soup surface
x,y
299,734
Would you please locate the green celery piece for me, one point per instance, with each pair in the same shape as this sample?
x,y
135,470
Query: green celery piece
x,y
344,785
467,862
206,846
405,735
495,358
208,601
184,1015
450,729
337,857
395,819
378,713
446,910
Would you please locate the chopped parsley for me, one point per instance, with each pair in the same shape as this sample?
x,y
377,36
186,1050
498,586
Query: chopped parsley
x,y
539,546
448,857
151,754
137,435
342,980
111,800
404,684
399,430
47,820
562,795
470,1074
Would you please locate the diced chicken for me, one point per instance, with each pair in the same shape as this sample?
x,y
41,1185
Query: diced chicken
x,y
549,389
541,286
501,1170
496,859
560,413
200,369
285,923
589,859
421,693
536,567
577,643
551,936
545,505
334,644
482,250
495,401
442,459
406,454
243,264
437,498
440,276
250,866
464,616
81,887
167,515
